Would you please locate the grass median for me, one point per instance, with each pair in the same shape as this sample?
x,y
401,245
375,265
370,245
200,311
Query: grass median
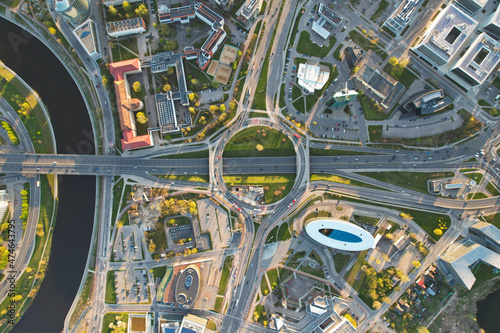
x,y
412,180
259,141
278,186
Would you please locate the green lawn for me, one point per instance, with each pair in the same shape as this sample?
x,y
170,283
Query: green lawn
x,y
340,260
482,102
402,74
413,180
307,47
310,101
274,182
366,219
299,105
110,318
272,235
282,102
244,143
258,115
365,44
369,109
274,280
110,288
351,274
284,232
381,8
479,195
295,92
336,53
430,221
496,83
493,219
218,304
492,189
228,264
475,175
339,179
313,271
492,111
187,178
264,286
375,132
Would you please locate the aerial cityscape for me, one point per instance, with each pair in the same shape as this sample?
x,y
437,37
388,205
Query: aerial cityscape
x,y
198,166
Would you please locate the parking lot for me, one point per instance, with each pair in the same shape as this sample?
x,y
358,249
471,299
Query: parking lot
x,y
132,286
182,232
128,244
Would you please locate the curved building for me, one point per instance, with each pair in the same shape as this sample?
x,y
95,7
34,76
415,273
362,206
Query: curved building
x,y
339,234
186,287
76,11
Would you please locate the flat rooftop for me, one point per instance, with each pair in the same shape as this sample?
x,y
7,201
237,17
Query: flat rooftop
x,y
466,255
85,33
480,60
489,230
329,14
375,80
124,25
446,35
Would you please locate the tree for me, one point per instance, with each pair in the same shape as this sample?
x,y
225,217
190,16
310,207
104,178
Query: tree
x,y
222,108
355,70
137,86
141,118
259,147
239,53
126,6
438,232
389,236
192,110
141,11
52,31
403,63
213,108
393,61
422,329
113,11
376,305
416,264
192,97
189,30
166,87
232,105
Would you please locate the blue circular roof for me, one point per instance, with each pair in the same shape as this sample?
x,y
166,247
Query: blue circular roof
x,y
85,34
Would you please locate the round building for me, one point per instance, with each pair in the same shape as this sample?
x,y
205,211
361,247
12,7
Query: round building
x,y
339,234
76,11
187,286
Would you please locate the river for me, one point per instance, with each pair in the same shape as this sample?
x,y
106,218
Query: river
x,y
38,66
487,312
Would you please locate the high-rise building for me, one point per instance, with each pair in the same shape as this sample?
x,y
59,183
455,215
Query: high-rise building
x,y
480,60
342,97
445,37
492,24
76,11
471,6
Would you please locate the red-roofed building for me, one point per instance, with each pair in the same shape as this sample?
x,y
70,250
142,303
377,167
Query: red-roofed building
x,y
421,282
126,105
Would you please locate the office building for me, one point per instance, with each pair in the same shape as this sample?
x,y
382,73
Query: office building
x,y
379,85
400,18
311,77
428,102
342,98
478,63
459,259
445,37
249,10
76,11
471,6
489,233
126,27
327,21
193,324
208,16
126,106
86,34
492,24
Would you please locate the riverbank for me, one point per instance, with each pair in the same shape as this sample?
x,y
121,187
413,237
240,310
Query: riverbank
x,y
460,313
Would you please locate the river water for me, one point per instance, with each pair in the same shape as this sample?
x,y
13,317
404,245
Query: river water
x,y
37,65
487,313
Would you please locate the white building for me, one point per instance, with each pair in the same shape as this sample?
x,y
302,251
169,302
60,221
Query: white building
x,y
86,34
249,10
311,77
445,37
459,259
478,63
471,6
339,234
328,20
492,24
126,27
